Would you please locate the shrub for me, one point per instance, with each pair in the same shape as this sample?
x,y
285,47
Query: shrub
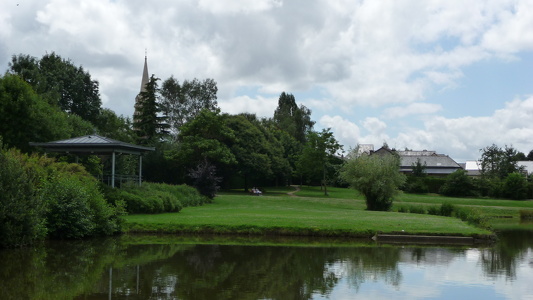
x,y
416,185
403,209
156,197
526,214
416,209
472,216
515,187
376,177
77,208
434,210
458,184
446,209
68,213
21,208
434,183
205,179
67,197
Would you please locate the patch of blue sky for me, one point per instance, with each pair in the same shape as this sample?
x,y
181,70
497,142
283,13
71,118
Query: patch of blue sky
x,y
486,86
445,43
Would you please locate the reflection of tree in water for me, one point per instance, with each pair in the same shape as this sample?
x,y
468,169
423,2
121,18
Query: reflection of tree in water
x,y
372,264
60,270
503,258
172,270
240,272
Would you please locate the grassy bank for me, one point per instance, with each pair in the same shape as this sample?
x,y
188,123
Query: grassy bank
x,y
311,213
492,208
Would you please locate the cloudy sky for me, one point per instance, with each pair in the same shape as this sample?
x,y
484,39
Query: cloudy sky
x,y
450,76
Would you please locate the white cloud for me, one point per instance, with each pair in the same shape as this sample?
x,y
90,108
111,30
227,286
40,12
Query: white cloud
x,y
461,138
238,6
357,54
514,31
412,109
262,107
346,132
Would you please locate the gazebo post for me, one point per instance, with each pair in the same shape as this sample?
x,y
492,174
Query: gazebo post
x,y
113,170
140,169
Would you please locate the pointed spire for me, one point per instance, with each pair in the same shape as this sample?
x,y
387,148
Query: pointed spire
x,y
145,78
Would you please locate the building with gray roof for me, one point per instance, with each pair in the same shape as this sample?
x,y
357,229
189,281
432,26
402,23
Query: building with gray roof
x,y
435,164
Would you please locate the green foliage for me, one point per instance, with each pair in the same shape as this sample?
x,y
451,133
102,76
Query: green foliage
x,y
417,210
60,199
183,102
526,214
149,125
416,185
469,215
446,209
434,183
21,209
416,181
294,120
419,169
497,162
317,157
434,210
155,197
206,137
515,187
472,216
458,184
205,179
413,209
68,213
27,117
375,176
63,84
79,126
115,127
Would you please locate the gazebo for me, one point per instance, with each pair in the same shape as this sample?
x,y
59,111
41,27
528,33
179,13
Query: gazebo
x,y
97,145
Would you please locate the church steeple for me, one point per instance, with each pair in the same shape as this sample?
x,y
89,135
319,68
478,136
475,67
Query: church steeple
x,y
144,81
145,78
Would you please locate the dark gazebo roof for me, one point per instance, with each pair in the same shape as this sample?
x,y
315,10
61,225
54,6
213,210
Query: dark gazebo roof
x,y
93,144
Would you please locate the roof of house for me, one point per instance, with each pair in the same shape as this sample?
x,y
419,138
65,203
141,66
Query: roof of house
x,y
430,161
434,163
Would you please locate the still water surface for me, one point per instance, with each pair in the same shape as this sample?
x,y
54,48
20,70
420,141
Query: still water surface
x,y
163,267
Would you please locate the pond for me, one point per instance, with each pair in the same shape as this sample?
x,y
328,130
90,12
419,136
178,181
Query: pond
x,y
170,267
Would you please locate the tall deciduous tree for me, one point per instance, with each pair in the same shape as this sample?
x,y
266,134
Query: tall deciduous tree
x,y
293,119
61,83
205,138
26,117
116,127
251,149
149,124
183,102
317,155
497,162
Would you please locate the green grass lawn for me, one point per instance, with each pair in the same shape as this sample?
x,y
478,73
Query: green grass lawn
x,y
341,213
497,208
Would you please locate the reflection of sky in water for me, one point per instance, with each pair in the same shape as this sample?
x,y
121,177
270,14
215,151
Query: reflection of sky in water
x,y
440,275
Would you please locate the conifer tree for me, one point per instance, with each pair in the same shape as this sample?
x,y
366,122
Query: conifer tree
x,y
149,125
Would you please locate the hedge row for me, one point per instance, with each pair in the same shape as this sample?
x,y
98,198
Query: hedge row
x,y
469,215
156,198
